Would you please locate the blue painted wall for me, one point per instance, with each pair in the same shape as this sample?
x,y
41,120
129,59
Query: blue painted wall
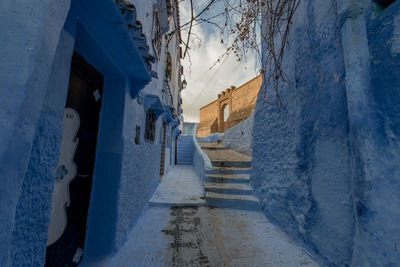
x,y
325,164
240,137
201,162
35,66
25,67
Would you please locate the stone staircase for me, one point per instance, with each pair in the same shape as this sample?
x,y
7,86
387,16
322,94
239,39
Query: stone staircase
x,y
227,183
185,150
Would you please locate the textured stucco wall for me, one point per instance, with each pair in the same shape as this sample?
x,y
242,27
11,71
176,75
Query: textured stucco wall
x,y
201,162
301,161
325,165
139,171
30,222
140,164
376,135
25,68
34,81
240,136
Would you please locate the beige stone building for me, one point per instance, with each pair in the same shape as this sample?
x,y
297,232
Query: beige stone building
x,y
233,106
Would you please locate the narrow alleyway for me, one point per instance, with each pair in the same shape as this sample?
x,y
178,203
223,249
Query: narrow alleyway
x,y
180,229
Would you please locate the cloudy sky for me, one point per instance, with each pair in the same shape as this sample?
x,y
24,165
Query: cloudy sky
x,y
204,83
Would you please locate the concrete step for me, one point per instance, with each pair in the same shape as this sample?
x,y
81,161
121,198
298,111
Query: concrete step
x,y
184,154
189,162
228,178
218,163
213,148
228,188
219,200
228,170
185,149
185,158
185,161
189,151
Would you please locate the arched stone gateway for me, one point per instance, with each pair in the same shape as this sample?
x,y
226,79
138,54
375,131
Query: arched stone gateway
x,y
232,106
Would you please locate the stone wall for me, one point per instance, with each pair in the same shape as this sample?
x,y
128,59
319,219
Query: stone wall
x,y
246,94
240,101
209,112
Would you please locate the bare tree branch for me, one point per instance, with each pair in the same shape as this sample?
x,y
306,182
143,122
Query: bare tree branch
x,y
241,33
190,29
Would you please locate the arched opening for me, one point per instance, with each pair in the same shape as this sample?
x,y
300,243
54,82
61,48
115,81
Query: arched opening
x,y
226,112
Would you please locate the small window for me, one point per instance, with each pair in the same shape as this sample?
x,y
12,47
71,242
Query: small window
x,y
150,131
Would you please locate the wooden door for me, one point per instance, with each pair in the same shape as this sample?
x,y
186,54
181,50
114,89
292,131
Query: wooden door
x,y
84,96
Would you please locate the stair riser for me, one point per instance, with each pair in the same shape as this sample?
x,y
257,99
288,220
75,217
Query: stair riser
x,y
244,164
213,148
226,180
185,153
184,157
227,171
229,191
232,204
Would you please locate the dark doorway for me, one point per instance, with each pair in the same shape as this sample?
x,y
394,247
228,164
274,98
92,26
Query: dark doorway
x,y
176,151
162,161
84,96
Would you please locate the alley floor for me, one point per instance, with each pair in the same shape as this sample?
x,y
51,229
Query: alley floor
x,y
186,232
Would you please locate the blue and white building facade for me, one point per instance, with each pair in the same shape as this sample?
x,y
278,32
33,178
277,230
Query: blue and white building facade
x,y
89,114
326,162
